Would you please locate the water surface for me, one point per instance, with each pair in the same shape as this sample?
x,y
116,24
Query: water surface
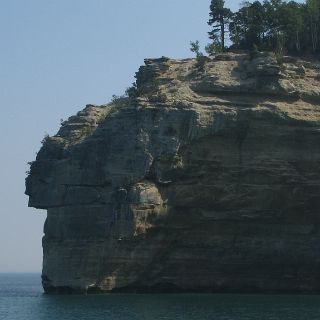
x,y
21,298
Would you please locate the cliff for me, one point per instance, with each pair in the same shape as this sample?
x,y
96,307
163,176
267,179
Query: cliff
x,y
207,182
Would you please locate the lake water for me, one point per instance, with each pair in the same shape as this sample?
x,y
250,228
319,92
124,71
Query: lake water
x,y
21,298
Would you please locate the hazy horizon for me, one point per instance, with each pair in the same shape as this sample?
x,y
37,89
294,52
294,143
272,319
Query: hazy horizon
x,y
57,57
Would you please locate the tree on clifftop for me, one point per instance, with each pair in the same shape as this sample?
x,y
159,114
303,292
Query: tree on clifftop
x,y
219,18
247,25
313,14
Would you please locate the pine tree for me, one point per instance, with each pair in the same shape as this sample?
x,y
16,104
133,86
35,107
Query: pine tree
x,y
247,25
219,18
313,12
293,24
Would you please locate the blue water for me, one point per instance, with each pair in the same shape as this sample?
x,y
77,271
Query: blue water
x,y
21,297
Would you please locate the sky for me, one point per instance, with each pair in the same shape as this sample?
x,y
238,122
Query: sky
x,y
56,57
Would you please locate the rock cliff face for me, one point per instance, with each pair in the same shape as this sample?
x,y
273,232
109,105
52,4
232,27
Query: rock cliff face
x,y
208,182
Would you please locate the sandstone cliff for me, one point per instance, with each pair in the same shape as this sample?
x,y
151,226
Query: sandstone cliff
x,y
209,182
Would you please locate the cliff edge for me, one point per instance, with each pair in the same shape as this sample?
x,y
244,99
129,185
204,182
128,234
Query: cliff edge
x,y
206,182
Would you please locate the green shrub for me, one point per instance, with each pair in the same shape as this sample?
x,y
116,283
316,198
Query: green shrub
x,y
133,91
201,59
195,47
45,139
119,101
213,48
201,62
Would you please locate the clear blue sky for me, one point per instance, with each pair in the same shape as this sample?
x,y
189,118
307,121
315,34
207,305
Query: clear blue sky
x,y
56,56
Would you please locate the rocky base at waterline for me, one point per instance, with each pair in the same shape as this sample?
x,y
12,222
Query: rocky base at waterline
x,y
207,182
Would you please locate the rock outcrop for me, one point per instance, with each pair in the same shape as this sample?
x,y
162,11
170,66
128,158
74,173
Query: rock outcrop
x,y
207,182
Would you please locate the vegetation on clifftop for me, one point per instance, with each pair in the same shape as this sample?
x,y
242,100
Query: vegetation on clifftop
x,y
271,25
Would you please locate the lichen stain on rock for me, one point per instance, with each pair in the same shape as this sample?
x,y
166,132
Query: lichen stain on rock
x,y
213,189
